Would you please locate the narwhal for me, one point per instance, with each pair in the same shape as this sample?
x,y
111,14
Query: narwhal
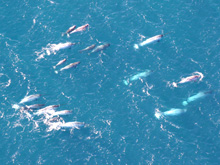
x,y
26,99
153,39
171,112
195,76
196,97
137,76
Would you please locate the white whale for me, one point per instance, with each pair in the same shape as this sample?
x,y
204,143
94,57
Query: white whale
x,y
171,112
156,38
58,125
59,113
137,76
74,124
32,107
196,97
26,99
53,48
47,110
29,98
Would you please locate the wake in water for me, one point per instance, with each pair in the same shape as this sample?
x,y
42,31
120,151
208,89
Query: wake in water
x,y
49,112
25,100
5,81
52,49
58,125
137,76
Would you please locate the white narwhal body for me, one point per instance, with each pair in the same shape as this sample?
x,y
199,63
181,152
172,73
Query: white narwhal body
x,y
156,38
59,113
71,125
137,76
196,97
26,99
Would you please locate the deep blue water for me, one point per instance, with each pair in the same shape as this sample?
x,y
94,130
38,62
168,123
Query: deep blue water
x,y
120,124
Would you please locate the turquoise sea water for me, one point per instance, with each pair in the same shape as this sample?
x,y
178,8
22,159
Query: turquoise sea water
x,y
120,124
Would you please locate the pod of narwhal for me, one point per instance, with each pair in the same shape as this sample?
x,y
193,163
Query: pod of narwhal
x,y
195,76
178,111
26,99
100,48
73,29
49,112
70,30
79,29
95,49
72,65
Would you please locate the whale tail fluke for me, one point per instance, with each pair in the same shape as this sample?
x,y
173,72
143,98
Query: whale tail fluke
x,y
174,84
158,115
53,126
54,67
200,74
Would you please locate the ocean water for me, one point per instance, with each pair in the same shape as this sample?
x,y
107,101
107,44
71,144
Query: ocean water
x,y
120,126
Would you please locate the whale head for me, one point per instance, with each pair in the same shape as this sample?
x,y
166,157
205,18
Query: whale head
x,y
185,103
136,46
158,115
16,106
